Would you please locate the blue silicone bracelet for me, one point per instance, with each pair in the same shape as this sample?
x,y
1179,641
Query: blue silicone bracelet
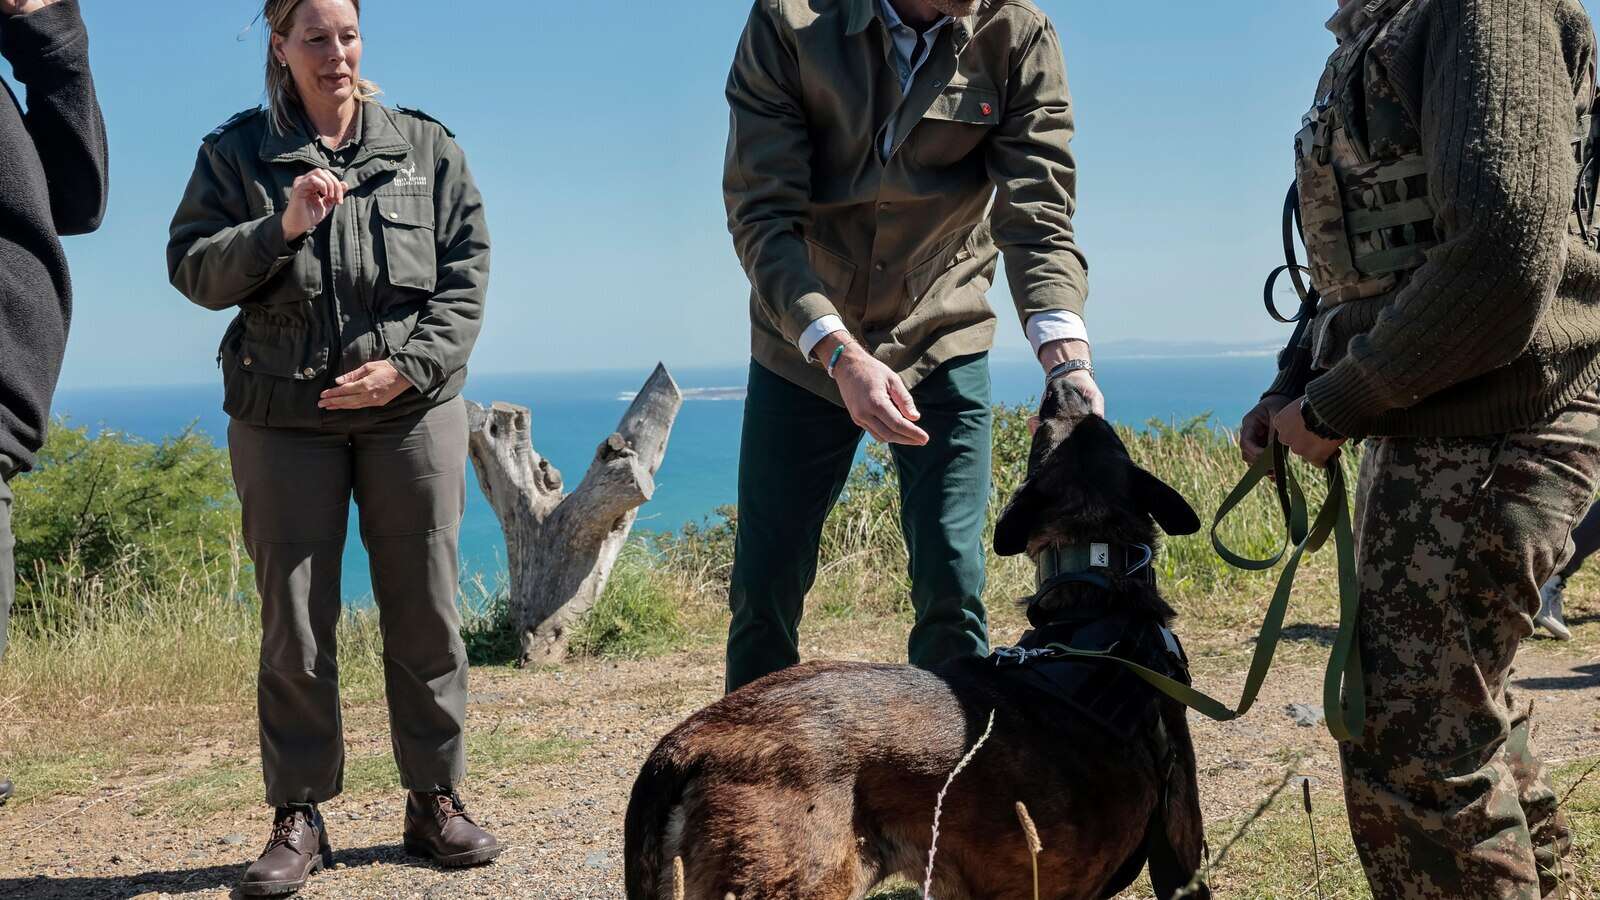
x,y
834,359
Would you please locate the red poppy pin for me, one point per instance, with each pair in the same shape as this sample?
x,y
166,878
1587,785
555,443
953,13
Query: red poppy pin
x,y
986,109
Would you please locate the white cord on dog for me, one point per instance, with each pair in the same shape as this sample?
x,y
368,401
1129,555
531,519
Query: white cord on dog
x,y
938,805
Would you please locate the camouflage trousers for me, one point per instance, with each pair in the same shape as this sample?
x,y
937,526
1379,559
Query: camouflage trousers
x,y
1455,536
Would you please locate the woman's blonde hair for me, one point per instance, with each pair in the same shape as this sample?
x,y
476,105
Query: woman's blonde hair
x,y
283,98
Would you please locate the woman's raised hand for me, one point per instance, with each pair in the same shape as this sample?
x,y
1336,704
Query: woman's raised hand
x,y
313,196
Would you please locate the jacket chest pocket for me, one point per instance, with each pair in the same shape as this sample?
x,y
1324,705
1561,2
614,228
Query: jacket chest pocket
x,y
955,125
409,252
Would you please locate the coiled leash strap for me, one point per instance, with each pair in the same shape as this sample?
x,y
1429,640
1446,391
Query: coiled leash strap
x,y
1344,696
1345,719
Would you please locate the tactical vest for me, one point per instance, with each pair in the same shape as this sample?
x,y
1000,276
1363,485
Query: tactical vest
x,y
1361,193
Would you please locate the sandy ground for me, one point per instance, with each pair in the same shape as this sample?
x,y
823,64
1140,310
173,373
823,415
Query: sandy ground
x,y
561,819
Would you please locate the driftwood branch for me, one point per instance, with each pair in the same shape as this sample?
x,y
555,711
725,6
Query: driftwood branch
x,y
560,546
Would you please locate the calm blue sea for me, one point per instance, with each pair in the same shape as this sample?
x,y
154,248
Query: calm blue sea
x,y
572,413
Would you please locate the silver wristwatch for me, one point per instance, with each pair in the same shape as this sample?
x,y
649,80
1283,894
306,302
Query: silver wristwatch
x,y
1068,367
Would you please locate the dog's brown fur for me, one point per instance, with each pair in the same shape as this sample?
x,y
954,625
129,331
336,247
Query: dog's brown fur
x,y
818,782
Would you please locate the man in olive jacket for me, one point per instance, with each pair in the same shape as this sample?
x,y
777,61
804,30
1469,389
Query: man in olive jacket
x,y
881,154
52,182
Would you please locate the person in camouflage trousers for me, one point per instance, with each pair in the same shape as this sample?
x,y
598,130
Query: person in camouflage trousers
x,y
1446,798
1455,329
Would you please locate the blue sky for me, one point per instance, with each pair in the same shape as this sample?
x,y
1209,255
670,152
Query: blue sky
x,y
596,132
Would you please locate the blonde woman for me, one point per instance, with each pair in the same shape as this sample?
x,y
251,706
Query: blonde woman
x,y
350,240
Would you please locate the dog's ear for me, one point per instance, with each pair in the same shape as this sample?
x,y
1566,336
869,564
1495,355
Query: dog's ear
x,y
1163,503
1019,521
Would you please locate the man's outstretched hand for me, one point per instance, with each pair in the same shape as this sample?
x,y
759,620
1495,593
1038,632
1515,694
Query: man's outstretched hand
x,y
22,7
874,394
1057,352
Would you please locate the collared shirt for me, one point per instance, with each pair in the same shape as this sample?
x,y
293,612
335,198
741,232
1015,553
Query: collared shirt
x,y
911,51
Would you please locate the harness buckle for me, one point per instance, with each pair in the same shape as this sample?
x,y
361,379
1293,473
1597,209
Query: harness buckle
x,y
1015,656
1019,656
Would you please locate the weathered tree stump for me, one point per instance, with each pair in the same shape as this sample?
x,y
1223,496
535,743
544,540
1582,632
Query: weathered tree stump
x,y
561,546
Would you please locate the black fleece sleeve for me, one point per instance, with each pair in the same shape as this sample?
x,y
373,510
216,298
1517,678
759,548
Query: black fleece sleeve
x,y
49,54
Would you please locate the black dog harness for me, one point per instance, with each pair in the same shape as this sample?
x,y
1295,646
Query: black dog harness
x,y
1065,654
1111,696
1079,660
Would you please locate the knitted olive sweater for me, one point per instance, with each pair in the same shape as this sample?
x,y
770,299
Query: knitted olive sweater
x,y
1500,328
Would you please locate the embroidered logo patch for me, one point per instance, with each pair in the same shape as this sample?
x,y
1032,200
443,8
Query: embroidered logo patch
x,y
408,177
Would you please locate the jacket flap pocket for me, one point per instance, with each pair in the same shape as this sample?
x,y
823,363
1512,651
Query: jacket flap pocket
x,y
951,250
411,212
966,103
278,346
410,258
835,271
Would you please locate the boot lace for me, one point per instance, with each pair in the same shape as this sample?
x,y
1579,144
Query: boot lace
x,y
284,829
447,806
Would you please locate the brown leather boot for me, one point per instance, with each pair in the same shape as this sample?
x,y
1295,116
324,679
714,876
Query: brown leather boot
x,y
438,828
298,846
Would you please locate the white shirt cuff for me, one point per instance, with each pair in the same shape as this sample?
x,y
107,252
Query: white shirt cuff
x,y
816,331
1055,325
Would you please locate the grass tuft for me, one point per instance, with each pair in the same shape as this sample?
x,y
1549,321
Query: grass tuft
x,y
639,615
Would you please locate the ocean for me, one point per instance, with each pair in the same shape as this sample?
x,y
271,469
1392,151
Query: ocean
x,y
573,413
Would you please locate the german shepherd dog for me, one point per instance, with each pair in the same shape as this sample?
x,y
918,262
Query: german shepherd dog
x,y
818,782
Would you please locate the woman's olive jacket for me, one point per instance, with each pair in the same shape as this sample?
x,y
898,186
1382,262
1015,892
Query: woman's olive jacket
x,y
398,271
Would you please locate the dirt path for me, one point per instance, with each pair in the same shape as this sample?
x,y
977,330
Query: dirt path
x,y
184,826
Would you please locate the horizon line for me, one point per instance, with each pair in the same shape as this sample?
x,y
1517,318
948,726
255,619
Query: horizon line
x,y
1139,349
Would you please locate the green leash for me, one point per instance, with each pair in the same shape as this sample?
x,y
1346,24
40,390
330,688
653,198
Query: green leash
x,y
1343,687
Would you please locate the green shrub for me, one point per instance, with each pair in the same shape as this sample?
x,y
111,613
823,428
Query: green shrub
x,y
154,513
638,615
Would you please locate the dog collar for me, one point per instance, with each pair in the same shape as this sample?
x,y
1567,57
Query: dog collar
x,y
1093,562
